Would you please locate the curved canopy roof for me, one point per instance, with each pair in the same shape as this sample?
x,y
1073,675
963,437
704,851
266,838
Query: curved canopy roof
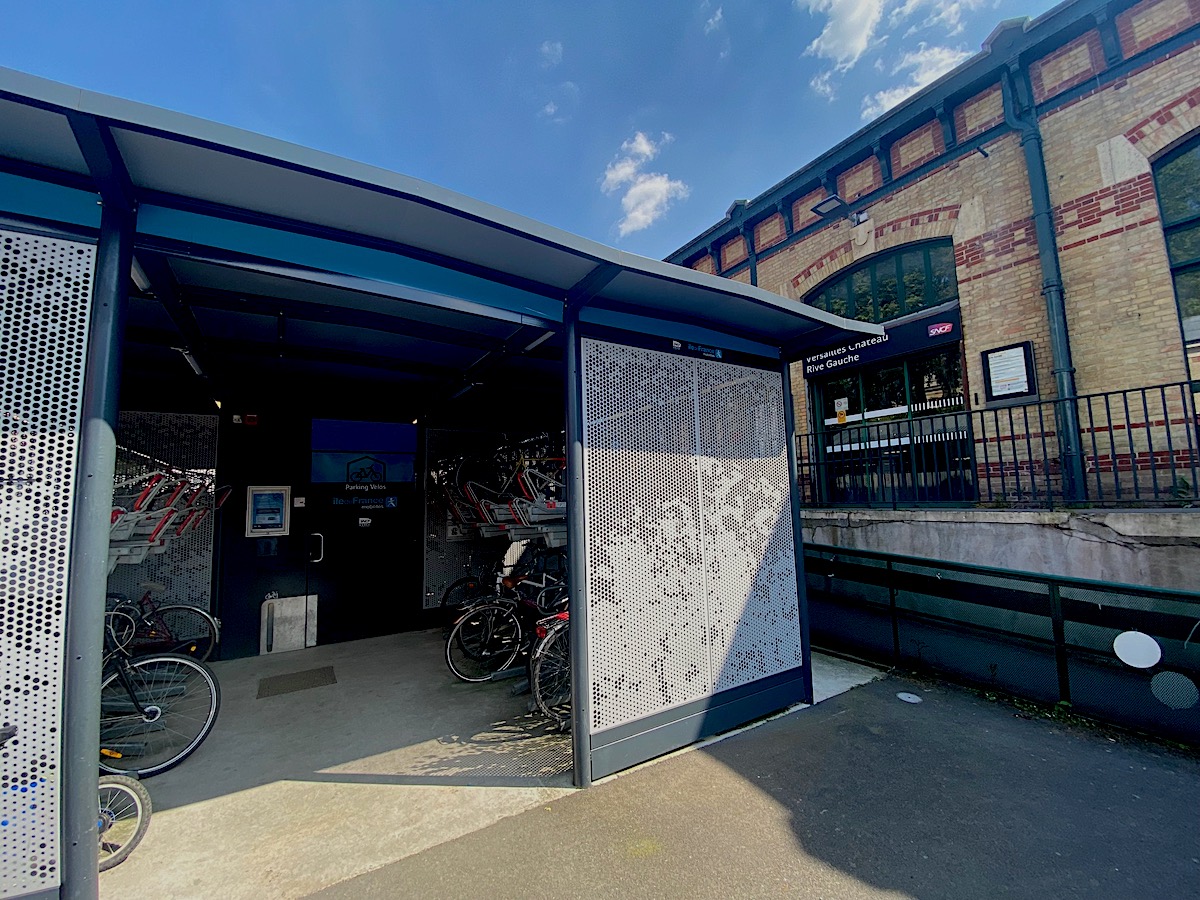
x,y
225,215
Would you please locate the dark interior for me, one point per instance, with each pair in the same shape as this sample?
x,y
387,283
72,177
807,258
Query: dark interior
x,y
269,355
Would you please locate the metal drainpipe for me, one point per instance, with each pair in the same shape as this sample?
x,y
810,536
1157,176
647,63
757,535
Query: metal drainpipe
x,y
1052,289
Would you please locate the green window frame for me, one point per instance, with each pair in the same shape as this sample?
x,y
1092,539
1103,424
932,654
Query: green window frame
x,y
893,284
1177,183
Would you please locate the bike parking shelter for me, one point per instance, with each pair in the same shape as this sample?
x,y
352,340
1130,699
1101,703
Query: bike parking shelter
x,y
149,254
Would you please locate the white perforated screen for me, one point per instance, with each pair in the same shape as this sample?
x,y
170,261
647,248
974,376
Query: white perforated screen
x,y
691,581
45,295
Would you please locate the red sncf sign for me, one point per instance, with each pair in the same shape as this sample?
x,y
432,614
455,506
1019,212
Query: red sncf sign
x,y
941,328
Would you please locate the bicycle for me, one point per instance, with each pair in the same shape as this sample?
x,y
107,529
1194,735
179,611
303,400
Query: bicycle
x,y
122,819
540,569
487,639
550,669
170,628
155,710
123,812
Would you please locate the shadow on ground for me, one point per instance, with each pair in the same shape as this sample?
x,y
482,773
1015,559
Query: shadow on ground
x,y
862,796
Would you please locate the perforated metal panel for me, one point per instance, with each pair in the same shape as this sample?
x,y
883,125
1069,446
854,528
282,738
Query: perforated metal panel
x,y
691,582
45,294
186,445
749,555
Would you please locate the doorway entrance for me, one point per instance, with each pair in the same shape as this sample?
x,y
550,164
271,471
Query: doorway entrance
x,y
362,525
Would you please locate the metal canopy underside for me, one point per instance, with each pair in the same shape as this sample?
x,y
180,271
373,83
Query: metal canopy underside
x,y
257,249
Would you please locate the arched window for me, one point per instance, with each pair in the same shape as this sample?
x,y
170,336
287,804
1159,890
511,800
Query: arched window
x,y
1177,181
893,284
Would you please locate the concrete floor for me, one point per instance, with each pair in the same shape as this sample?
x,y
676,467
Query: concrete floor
x,y
862,797
296,792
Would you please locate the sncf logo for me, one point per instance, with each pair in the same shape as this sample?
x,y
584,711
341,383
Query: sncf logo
x,y
941,328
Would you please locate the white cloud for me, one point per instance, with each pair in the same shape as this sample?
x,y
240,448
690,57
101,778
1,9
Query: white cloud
x,y
924,65
822,85
945,15
715,22
559,103
551,53
647,201
849,29
648,195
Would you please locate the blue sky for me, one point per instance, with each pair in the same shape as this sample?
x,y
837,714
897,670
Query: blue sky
x,y
632,123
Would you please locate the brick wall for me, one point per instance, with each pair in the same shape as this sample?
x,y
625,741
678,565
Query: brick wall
x,y
864,178
733,252
769,232
979,113
802,214
1067,67
1121,310
1123,321
1152,21
917,148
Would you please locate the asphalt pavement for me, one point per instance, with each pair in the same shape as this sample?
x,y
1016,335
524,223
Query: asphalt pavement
x,y
860,797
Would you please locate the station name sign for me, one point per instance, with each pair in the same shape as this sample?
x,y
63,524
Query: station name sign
x,y
942,327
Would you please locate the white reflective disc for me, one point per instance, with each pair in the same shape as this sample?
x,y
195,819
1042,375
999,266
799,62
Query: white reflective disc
x,y
908,698
1137,649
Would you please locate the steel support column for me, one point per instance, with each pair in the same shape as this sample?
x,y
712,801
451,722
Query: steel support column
x,y
88,566
789,426
577,557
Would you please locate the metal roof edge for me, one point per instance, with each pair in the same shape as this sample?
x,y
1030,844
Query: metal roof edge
x,y
169,123
46,93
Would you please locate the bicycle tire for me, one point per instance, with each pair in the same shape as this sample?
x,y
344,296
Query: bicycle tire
x,y
485,640
550,678
184,694
123,817
461,593
177,628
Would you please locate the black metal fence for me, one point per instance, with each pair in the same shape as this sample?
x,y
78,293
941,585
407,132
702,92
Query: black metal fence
x,y
1037,636
1136,447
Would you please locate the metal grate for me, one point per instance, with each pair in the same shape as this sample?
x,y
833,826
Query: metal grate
x,y
750,560
691,584
148,442
45,296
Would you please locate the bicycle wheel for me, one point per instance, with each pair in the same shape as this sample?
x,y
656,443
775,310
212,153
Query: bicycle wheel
x,y
461,594
187,630
551,675
485,640
124,816
180,697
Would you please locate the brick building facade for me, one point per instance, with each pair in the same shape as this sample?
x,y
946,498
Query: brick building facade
x,y
1073,125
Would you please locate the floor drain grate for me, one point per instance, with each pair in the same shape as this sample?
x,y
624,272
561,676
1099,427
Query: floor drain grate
x,y
295,681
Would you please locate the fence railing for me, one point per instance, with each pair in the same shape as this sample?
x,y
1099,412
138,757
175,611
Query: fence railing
x,y
1137,447
1038,636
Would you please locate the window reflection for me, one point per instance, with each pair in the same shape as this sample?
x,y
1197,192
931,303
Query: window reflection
x,y
893,284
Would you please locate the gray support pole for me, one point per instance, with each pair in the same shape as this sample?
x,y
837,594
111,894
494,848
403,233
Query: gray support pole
x,y
789,426
1067,414
581,707
89,556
